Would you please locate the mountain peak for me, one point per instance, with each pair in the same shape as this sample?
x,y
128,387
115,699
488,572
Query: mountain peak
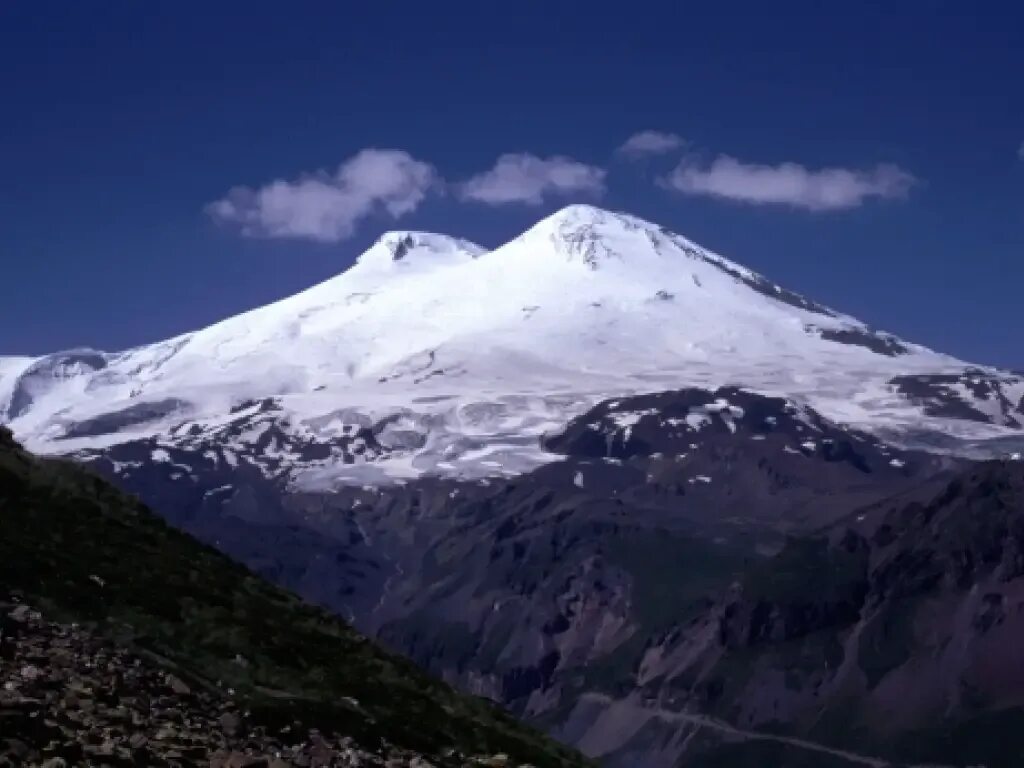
x,y
581,212
401,242
581,215
581,233
408,246
596,237
586,301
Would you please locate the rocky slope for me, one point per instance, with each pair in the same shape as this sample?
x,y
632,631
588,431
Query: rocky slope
x,y
71,696
893,633
158,650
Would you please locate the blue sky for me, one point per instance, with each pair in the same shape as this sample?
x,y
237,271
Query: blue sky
x,y
865,154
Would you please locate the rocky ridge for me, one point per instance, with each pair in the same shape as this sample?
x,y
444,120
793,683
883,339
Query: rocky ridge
x,y
893,632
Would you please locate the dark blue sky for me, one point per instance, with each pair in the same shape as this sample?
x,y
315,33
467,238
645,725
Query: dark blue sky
x,y
122,120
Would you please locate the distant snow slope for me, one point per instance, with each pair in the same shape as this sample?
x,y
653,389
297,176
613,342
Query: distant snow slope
x,y
454,360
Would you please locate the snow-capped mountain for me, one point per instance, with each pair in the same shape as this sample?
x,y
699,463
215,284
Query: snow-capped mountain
x,y
537,470
433,355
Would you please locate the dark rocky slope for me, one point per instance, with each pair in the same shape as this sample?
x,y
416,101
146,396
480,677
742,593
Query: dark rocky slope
x,y
71,696
894,633
157,631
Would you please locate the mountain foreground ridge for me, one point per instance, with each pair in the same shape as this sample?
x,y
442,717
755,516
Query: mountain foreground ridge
x,y
187,658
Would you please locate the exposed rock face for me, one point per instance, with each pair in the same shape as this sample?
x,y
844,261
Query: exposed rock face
x,y
972,395
894,633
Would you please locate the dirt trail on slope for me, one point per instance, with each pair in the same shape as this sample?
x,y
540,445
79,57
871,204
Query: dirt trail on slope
x,y
722,726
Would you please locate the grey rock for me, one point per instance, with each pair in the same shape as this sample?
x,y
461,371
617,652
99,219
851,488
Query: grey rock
x,y
229,723
178,685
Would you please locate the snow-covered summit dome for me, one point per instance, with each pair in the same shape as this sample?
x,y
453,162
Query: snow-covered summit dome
x,y
424,249
587,304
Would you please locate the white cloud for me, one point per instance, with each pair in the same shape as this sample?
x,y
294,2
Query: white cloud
x,y
523,178
789,183
651,143
327,207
